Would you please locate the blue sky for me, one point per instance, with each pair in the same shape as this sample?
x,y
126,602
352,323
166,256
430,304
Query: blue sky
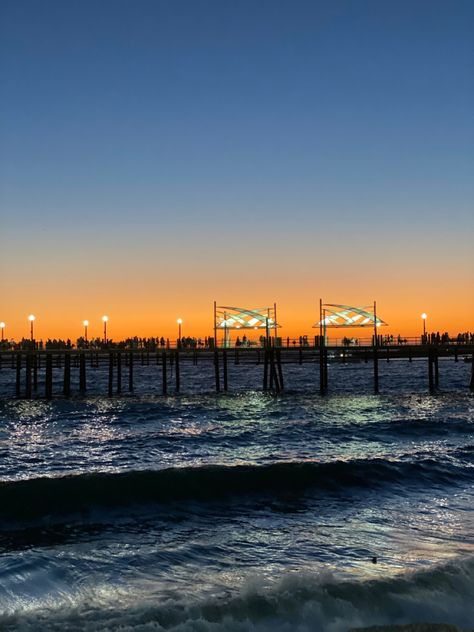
x,y
238,120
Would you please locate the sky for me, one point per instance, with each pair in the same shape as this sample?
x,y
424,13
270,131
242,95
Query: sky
x,y
157,155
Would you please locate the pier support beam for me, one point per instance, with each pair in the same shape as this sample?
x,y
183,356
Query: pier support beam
x,y
111,374
280,370
471,383
28,376
376,370
119,373
176,371
164,388
224,369
82,373
130,371
67,375
18,374
431,385
265,370
216,371
48,384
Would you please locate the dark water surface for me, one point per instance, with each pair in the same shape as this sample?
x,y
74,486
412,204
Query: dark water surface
x,y
243,511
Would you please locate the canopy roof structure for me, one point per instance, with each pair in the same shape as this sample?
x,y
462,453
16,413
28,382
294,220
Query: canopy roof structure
x,y
345,316
227,317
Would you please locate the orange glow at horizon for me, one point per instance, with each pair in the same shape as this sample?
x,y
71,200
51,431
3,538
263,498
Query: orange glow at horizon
x,y
153,317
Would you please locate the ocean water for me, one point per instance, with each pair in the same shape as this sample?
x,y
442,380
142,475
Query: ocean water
x,y
240,511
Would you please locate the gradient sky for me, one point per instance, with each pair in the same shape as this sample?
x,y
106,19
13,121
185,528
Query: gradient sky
x,y
155,156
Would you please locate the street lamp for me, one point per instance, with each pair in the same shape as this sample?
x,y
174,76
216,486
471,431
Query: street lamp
x,y
180,322
424,317
2,327
105,319
86,325
32,319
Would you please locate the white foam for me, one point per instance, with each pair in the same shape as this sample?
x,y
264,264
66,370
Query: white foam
x,y
298,603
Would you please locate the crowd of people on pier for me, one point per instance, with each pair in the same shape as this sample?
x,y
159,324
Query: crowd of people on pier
x,y
188,342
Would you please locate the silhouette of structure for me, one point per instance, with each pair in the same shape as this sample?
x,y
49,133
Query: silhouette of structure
x,y
227,318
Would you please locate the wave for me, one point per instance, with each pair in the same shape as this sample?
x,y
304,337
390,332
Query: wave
x,y
44,496
298,603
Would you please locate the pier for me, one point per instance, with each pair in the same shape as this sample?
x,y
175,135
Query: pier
x,y
64,373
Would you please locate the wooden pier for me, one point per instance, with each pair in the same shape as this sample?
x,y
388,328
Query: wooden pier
x,y
34,372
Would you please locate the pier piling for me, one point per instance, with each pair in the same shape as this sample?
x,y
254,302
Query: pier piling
x,y
67,375
130,371
224,369
18,374
28,376
216,371
82,373
164,376
111,374
176,370
48,384
119,373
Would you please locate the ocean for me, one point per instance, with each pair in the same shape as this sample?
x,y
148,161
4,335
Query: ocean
x,y
243,511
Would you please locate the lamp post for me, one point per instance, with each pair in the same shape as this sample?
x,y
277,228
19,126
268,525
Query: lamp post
x,y
105,320
424,317
180,322
2,327
32,319
86,325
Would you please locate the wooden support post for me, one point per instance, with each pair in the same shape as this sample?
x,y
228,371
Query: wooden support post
x,y
236,356
265,370
35,370
280,370
164,389
430,371
273,372
119,373
376,368
436,366
67,375
300,359
111,374
130,370
216,370
325,370
224,369
18,374
48,384
410,358
28,376
13,360
82,372
148,358
471,383
388,354
176,370
456,355
271,369
322,389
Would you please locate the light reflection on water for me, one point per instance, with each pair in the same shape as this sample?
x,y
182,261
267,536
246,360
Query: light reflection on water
x,y
160,550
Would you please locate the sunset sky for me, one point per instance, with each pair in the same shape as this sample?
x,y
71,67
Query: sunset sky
x,y
157,156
